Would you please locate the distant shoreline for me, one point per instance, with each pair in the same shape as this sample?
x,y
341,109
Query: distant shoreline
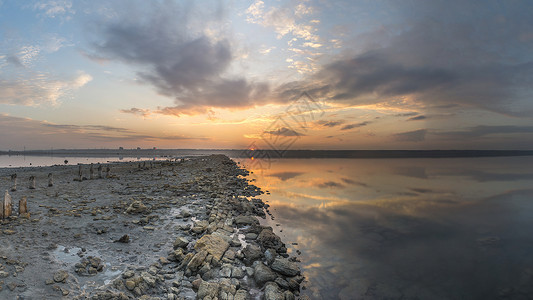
x,y
272,154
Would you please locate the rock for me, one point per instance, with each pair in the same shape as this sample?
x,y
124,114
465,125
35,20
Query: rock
x,y
252,253
185,213
263,274
89,266
287,295
181,242
149,279
197,260
282,283
245,220
241,295
235,242
250,236
225,271
237,272
60,276
285,267
207,289
272,292
130,285
213,244
128,274
268,239
3,274
293,284
124,239
270,255
196,283
12,286
230,254
136,207
163,261
200,226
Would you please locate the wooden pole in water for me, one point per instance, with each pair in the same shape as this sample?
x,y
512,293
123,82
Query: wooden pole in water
x,y
23,206
2,208
14,180
32,182
7,206
79,173
99,171
107,172
91,172
50,180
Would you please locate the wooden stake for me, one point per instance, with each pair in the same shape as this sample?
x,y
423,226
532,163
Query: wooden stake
x,y
32,182
91,172
23,206
50,180
2,209
14,180
7,205
99,171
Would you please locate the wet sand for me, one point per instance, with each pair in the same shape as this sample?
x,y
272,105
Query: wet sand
x,y
156,230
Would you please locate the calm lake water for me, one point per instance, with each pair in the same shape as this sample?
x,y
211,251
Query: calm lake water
x,y
459,228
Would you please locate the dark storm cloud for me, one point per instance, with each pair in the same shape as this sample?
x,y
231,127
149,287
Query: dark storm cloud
x,y
374,73
180,63
86,127
136,111
353,182
284,132
483,130
329,123
443,54
417,118
411,136
329,184
409,114
352,126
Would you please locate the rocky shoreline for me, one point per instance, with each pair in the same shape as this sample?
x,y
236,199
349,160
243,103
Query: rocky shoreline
x,y
183,229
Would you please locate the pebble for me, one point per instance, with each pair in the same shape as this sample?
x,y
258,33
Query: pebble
x,y
60,276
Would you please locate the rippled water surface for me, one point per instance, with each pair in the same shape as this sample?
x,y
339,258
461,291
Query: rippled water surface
x,y
406,228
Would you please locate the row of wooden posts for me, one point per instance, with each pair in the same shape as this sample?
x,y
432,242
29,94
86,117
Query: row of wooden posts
x,y
91,172
6,206
32,182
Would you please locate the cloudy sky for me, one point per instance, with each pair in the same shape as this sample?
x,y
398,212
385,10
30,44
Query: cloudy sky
x,y
357,74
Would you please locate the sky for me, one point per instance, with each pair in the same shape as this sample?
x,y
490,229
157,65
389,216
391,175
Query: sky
x,y
282,74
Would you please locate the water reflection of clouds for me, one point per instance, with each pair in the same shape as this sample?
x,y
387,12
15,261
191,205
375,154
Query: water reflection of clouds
x,y
418,236
379,243
284,176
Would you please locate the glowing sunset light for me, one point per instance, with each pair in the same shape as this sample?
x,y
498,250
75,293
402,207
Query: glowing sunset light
x,y
221,74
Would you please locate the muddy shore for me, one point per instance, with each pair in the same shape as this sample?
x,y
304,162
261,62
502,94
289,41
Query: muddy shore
x,y
185,229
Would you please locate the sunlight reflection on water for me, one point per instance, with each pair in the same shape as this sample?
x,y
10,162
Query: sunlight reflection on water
x,y
406,228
